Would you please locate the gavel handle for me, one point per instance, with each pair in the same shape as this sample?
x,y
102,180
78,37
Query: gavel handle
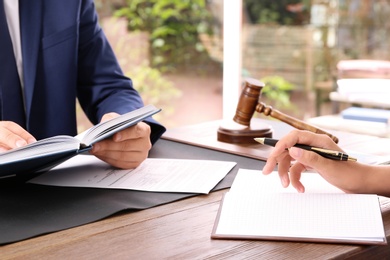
x,y
269,111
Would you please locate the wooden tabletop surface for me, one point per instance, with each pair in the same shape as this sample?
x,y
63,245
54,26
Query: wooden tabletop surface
x,y
179,230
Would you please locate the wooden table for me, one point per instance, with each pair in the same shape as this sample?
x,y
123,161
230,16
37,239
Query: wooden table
x,y
181,230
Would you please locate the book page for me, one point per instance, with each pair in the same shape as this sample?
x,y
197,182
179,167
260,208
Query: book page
x,y
159,175
108,128
40,148
258,207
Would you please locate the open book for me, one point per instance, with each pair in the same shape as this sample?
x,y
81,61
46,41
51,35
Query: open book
x,y
47,153
257,207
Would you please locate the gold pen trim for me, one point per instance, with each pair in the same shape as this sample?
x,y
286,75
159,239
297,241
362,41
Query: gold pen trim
x,y
337,153
331,152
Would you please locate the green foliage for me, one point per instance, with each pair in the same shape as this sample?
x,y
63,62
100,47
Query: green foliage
x,y
174,26
277,89
275,12
153,87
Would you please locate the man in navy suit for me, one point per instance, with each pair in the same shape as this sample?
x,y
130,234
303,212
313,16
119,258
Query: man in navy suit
x,y
62,53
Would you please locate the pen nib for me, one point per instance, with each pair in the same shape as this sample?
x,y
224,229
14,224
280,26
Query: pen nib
x,y
259,140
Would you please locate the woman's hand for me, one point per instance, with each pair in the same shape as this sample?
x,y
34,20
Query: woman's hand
x,y
346,175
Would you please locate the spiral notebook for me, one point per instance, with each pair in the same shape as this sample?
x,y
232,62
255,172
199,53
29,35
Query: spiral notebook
x,y
257,207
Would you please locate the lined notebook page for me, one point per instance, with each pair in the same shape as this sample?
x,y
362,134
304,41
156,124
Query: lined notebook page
x,y
257,207
256,181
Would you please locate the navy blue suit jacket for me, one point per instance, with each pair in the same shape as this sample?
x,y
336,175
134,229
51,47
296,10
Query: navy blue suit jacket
x,y
66,55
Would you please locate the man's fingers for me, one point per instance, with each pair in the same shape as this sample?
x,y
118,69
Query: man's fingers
x,y
140,130
123,161
109,116
12,135
137,131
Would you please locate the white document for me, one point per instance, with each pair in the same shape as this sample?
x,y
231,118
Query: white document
x,y
258,207
371,159
256,182
158,175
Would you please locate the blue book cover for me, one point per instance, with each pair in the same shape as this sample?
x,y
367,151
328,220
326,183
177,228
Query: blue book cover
x,y
366,114
47,153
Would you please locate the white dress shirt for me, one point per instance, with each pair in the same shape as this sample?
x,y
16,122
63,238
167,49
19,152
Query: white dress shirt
x,y
11,8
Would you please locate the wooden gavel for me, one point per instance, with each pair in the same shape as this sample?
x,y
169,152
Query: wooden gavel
x,y
249,103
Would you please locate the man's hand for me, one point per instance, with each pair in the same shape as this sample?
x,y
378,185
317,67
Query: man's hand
x,y
126,149
13,135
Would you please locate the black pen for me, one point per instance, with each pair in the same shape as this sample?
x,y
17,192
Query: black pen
x,y
330,154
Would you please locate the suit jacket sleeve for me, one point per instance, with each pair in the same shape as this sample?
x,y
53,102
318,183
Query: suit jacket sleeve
x,y
102,86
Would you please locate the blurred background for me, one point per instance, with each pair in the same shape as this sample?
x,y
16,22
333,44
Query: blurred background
x,y
173,51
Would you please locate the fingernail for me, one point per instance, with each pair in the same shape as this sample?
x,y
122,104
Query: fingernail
x,y
31,140
284,181
20,143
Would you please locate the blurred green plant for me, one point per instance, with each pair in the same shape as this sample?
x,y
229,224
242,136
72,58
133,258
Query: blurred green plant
x,y
276,12
174,27
277,89
153,87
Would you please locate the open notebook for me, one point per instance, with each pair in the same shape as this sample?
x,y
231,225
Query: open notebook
x,y
47,153
257,207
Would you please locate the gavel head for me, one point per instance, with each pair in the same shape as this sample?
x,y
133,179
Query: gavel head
x,y
248,101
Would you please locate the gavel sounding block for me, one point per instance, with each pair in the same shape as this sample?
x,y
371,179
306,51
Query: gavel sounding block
x,y
232,132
